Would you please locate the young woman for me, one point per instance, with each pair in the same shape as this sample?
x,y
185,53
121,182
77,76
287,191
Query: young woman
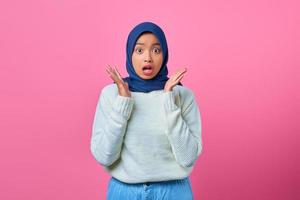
x,y
147,127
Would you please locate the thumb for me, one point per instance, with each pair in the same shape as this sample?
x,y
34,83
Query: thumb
x,y
126,84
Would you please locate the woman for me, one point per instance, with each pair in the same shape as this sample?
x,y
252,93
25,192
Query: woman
x,y
147,127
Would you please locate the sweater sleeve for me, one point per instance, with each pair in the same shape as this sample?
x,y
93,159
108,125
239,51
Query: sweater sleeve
x,y
184,129
109,126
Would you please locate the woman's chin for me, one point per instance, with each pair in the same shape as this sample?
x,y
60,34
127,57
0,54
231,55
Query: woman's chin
x,y
143,76
146,77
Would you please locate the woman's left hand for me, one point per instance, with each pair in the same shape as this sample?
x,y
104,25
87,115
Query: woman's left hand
x,y
174,79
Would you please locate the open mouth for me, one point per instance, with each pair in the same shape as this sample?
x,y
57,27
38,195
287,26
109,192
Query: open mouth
x,y
148,70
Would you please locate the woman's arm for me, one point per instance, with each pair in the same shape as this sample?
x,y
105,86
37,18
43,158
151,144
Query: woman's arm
x,y
184,129
109,128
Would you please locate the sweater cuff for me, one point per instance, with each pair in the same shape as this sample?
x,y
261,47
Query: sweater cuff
x,y
169,101
123,105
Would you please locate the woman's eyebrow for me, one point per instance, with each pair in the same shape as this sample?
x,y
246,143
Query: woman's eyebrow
x,y
144,43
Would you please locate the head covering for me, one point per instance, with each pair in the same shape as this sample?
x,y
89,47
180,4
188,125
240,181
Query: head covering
x,y
136,83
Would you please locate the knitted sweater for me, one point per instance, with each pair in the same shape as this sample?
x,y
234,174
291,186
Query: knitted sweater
x,y
154,136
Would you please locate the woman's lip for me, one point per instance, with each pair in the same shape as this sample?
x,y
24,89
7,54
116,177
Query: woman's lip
x,y
148,72
149,66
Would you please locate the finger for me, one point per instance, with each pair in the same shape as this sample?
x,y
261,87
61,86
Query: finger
x,y
176,76
179,77
126,85
119,75
112,74
178,80
120,80
113,77
114,71
183,71
107,70
178,73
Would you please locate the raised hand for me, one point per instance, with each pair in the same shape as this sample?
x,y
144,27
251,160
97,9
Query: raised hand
x,y
114,74
174,79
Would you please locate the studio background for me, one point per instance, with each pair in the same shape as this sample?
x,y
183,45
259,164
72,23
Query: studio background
x,y
243,65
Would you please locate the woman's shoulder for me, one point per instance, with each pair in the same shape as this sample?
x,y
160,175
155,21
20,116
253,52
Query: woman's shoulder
x,y
184,92
110,87
109,91
184,95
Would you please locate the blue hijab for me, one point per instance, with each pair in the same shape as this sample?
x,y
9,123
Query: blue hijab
x,y
136,83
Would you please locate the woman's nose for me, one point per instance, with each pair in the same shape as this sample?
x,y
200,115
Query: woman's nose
x,y
148,57
147,60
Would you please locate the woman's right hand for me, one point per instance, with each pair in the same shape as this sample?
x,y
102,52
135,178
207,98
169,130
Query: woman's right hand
x,y
116,77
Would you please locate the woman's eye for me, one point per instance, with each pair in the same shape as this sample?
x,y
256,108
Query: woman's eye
x,y
156,50
139,50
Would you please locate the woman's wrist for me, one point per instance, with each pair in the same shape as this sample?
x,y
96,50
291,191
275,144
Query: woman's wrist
x,y
168,89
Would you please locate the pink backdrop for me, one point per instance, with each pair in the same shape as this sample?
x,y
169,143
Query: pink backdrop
x,y
243,64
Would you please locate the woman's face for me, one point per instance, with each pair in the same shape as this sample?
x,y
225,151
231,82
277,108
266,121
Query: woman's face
x,y
147,56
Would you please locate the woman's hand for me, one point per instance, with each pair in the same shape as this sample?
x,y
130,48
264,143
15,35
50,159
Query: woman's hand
x,y
174,79
123,88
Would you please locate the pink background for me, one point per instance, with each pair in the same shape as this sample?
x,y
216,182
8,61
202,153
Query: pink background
x,y
243,64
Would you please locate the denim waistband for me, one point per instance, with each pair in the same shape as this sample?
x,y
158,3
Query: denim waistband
x,y
153,182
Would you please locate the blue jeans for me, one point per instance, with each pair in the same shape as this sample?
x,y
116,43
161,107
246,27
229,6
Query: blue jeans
x,y
163,190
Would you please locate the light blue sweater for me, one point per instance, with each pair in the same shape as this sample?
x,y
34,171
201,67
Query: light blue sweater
x,y
153,136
